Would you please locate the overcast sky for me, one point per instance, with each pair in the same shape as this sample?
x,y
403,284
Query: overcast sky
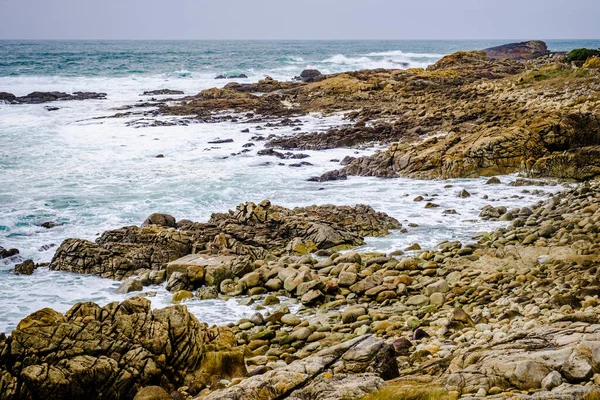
x,y
299,19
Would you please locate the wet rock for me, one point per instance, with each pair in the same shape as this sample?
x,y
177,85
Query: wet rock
x,y
310,75
464,194
25,268
493,181
130,285
220,141
152,393
160,92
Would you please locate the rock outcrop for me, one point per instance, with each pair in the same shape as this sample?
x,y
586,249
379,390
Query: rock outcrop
x,y
252,231
46,97
113,351
518,51
318,377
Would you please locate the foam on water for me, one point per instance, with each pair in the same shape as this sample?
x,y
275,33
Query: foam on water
x,y
91,175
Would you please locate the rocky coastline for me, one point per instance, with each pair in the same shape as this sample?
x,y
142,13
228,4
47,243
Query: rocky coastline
x,y
514,314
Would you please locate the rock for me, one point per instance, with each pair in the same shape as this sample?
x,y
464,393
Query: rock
x,y
182,295
250,280
302,376
152,393
290,319
312,297
25,268
440,286
161,220
351,314
493,181
301,334
130,285
347,279
45,97
178,281
413,247
464,194
219,141
413,323
518,51
552,380
207,293
48,224
271,300
7,253
310,75
168,346
160,92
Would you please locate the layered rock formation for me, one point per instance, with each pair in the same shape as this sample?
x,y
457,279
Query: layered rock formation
x,y
112,351
518,51
47,97
252,230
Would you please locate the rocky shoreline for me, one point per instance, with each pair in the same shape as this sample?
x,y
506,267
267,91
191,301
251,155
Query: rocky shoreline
x,y
513,314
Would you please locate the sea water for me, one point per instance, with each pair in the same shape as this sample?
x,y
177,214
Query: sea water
x,y
89,174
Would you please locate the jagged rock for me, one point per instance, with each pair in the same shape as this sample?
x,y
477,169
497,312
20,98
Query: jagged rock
x,y
7,253
25,268
45,97
113,350
130,285
518,51
359,355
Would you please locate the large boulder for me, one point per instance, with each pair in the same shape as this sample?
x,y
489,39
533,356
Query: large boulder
x,y
114,350
518,51
364,354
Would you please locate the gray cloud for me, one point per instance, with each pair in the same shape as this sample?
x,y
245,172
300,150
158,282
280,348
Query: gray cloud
x,y
300,19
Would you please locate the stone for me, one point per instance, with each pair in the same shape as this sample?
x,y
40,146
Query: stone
x,y
182,295
418,300
207,293
518,51
413,247
152,393
347,279
440,286
290,319
552,380
493,181
165,220
351,314
303,376
271,300
25,268
178,281
300,334
464,194
413,323
130,285
312,297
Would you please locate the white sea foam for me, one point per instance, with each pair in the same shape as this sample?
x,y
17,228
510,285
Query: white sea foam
x,y
91,175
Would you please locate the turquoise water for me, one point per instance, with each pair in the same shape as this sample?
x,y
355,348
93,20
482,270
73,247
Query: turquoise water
x,y
185,58
90,175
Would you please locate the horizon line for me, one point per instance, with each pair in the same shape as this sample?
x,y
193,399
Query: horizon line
x,y
288,40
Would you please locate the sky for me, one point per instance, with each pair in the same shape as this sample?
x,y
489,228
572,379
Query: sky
x,y
299,19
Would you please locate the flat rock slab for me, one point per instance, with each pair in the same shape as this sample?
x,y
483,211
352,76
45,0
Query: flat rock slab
x,y
201,260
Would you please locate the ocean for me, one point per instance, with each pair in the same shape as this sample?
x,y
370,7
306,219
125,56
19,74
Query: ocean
x,y
90,174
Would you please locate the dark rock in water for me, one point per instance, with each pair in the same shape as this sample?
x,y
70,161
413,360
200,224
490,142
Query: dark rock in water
x,y
25,268
310,75
48,108
46,97
347,160
7,97
48,224
248,145
337,175
6,253
493,181
219,141
518,51
160,156
162,92
130,285
47,247
161,220
240,76
463,194
301,164
245,130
